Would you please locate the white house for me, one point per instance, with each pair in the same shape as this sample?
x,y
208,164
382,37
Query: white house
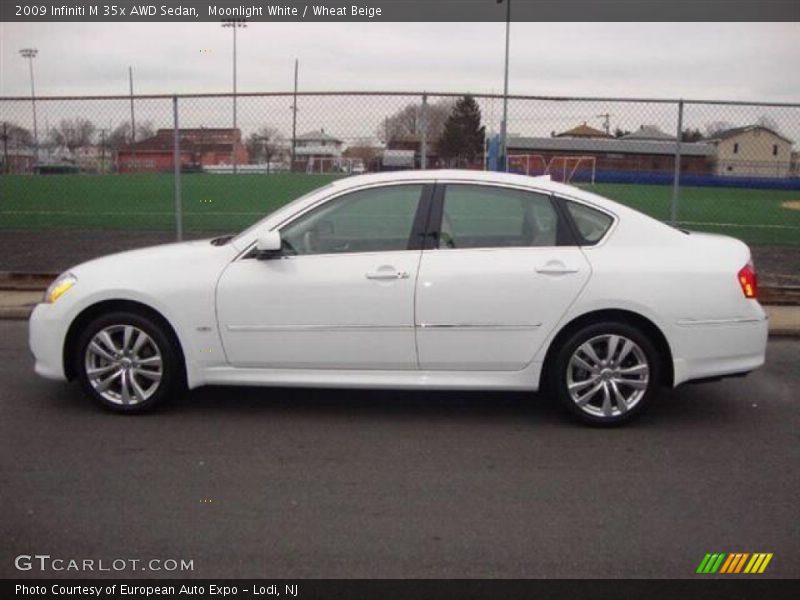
x,y
752,151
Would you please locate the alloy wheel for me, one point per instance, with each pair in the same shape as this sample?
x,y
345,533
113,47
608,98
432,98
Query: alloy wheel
x,y
607,375
124,364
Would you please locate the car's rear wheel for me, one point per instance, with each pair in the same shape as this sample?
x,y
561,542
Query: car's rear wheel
x,y
127,363
606,373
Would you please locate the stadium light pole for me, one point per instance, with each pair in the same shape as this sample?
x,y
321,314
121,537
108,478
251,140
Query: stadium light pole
x,y
30,54
234,24
504,122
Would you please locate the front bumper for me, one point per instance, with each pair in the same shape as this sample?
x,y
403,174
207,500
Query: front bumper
x,y
46,334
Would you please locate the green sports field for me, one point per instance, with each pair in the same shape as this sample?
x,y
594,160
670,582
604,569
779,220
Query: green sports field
x,y
227,203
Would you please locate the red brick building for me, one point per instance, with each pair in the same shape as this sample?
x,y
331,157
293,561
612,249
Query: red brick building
x,y
198,148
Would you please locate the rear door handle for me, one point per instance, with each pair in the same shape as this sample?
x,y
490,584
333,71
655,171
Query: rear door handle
x,y
555,267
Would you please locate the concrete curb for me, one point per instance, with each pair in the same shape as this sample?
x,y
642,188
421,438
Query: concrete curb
x,y
783,320
12,280
18,304
15,313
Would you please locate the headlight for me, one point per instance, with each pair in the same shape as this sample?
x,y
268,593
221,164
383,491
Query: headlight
x,y
59,287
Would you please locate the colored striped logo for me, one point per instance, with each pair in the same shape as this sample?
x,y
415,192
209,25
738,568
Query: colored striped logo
x,y
737,562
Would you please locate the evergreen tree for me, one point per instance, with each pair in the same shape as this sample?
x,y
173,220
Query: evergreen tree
x,y
462,139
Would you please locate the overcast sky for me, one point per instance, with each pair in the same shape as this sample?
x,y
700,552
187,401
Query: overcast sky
x,y
748,61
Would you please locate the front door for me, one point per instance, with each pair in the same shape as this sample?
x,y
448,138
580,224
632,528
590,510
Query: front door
x,y
340,297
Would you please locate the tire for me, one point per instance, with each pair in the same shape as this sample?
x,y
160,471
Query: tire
x,y
602,390
127,363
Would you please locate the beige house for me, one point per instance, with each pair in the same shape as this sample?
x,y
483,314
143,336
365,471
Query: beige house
x,y
752,151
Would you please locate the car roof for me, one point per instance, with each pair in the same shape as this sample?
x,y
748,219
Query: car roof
x,y
542,181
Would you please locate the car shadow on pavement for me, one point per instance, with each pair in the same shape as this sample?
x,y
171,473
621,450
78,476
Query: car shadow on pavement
x,y
686,406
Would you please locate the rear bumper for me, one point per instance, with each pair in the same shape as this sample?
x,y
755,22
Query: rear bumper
x,y
46,340
707,350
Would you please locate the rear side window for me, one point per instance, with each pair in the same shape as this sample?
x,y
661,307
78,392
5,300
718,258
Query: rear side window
x,y
592,224
477,216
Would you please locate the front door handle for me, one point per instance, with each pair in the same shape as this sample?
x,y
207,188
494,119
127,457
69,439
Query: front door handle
x,y
386,275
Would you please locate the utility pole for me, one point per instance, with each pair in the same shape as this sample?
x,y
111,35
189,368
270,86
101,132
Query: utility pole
x,y
294,115
6,166
234,24
504,122
606,122
30,54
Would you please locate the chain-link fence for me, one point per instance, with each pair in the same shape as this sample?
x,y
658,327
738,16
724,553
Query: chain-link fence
x,y
107,173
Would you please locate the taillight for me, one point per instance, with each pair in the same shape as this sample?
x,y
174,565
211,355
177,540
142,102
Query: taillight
x,y
749,281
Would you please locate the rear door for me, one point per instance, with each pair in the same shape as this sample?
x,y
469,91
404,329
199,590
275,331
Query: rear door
x,y
502,272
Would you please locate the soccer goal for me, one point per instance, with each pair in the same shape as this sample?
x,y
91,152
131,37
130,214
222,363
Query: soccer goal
x,y
527,164
572,169
322,164
567,169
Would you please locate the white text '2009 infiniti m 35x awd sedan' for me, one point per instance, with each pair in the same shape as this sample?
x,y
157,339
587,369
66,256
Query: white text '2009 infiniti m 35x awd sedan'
x,y
427,279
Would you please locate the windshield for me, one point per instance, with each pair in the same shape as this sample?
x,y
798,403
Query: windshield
x,y
255,225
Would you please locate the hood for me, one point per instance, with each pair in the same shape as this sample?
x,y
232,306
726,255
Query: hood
x,y
176,261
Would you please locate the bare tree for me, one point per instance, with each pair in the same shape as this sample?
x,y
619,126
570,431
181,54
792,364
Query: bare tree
x,y
691,135
619,132
73,134
367,154
14,135
121,134
715,127
407,121
768,122
265,145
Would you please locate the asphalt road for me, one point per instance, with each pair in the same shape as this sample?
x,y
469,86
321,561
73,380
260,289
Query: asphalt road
x,y
309,483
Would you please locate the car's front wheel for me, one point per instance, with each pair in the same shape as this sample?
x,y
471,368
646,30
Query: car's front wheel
x,y
127,363
606,373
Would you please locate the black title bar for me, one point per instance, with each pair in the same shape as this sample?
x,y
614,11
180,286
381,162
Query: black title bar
x,y
399,10
400,589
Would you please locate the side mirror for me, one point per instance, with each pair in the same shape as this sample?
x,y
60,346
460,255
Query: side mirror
x,y
268,245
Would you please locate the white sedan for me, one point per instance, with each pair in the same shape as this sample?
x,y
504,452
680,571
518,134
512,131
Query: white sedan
x,y
426,279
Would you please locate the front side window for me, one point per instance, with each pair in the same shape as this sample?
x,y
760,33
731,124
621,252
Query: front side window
x,y
477,216
591,224
373,220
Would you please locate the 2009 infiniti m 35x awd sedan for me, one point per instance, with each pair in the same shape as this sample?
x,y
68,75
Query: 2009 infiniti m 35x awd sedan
x,y
431,279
